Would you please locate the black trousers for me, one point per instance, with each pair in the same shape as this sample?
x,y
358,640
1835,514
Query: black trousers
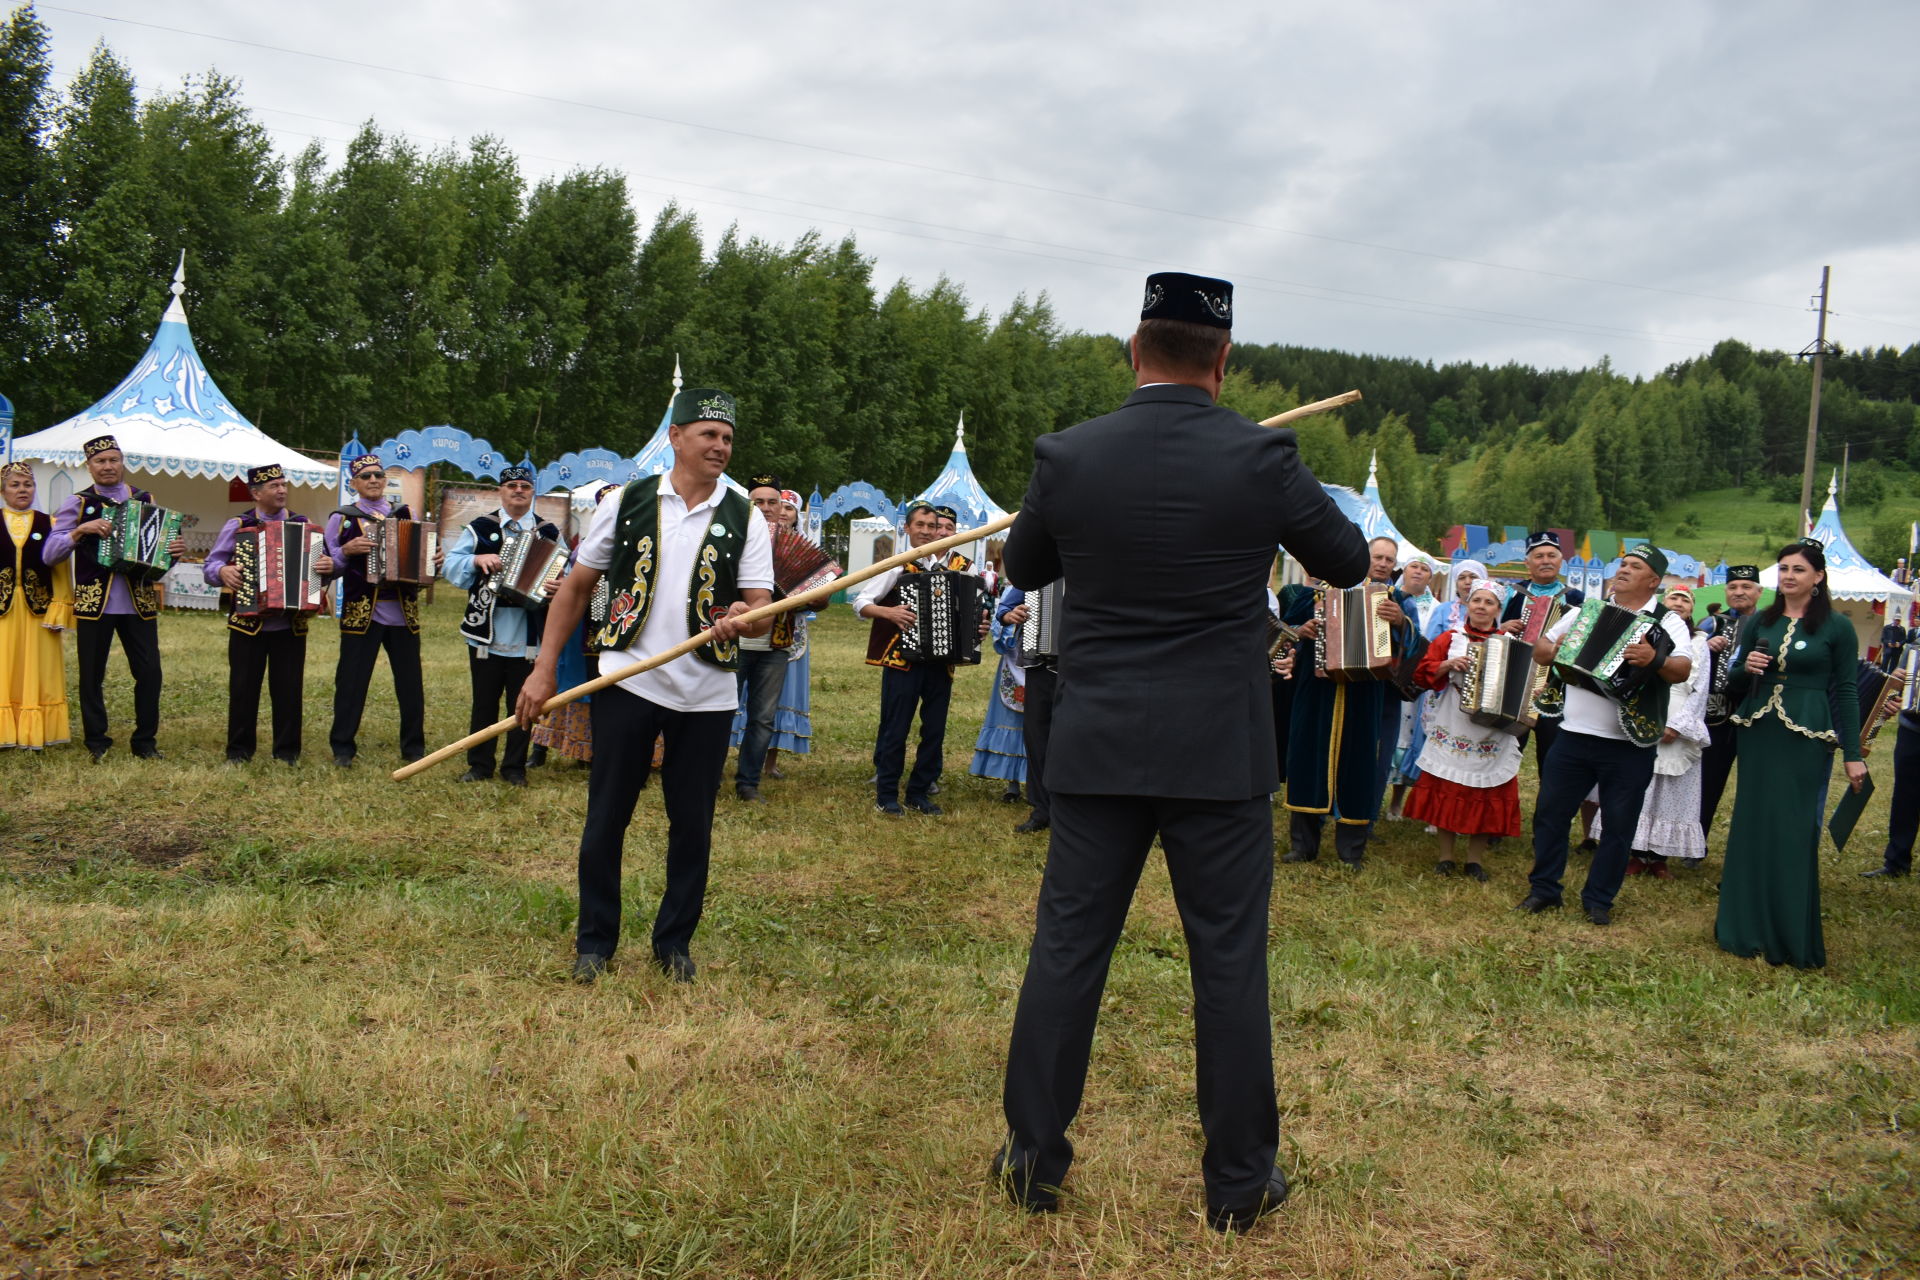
x,y
1349,838
495,677
1576,764
354,673
1220,860
280,658
1036,727
1716,766
624,728
140,639
928,687
1904,821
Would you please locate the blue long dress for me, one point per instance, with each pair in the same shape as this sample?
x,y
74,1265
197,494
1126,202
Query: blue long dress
x,y
1001,751
793,720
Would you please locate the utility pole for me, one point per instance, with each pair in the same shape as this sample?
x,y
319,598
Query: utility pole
x,y
1818,350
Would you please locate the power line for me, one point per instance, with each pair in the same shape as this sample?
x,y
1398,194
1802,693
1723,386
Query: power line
x,y
910,164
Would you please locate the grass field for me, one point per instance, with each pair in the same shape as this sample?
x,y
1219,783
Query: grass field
x,y
311,1023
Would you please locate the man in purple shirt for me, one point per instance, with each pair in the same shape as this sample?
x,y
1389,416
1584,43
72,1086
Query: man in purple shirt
x,y
373,616
108,604
272,646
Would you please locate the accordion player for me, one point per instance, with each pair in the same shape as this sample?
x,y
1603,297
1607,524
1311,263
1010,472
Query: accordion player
x,y
140,543
403,551
945,607
279,564
1592,653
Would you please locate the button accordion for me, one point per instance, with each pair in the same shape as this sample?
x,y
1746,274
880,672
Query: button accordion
x,y
137,544
529,567
1539,613
1592,655
1040,633
946,607
402,551
1501,682
1721,667
279,569
1354,644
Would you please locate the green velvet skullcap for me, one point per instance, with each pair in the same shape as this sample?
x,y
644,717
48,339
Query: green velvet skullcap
x,y
703,404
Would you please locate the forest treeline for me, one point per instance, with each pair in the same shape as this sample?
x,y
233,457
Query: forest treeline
x,y
405,287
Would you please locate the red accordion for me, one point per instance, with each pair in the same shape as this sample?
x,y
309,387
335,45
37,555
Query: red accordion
x,y
279,569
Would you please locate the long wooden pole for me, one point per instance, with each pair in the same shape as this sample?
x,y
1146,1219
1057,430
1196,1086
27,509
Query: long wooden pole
x,y
786,605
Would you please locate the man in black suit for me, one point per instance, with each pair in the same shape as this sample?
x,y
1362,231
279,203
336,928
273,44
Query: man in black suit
x,y
1163,725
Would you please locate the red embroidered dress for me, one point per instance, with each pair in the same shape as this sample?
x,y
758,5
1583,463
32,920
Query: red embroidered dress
x,y
1469,773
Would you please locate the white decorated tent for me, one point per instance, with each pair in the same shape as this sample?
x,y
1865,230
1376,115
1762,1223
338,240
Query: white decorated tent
x,y
1370,513
1856,586
183,440
956,486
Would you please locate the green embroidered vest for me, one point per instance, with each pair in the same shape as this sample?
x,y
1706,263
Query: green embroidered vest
x,y
634,575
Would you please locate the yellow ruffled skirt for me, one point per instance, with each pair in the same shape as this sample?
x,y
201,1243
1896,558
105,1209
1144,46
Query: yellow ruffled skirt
x,y
33,676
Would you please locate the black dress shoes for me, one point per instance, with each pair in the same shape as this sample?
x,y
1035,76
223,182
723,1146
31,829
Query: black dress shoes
x,y
1534,904
1598,915
343,762
1020,1188
927,807
474,775
677,965
1297,855
514,779
1238,1217
1030,826
1891,872
587,966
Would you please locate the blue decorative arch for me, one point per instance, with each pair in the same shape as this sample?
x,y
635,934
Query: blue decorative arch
x,y
412,450
857,495
588,466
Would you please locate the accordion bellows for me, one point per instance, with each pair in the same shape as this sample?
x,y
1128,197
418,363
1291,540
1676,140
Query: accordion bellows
x,y
1592,655
529,567
1501,682
136,546
1040,633
1354,644
279,569
946,608
402,551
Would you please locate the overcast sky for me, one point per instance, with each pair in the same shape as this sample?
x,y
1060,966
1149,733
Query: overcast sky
x,y
1547,183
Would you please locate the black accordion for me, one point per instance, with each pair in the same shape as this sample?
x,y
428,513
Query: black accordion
x,y
1592,655
1040,633
946,606
1501,682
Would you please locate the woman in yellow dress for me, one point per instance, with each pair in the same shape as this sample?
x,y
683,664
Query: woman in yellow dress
x,y
36,605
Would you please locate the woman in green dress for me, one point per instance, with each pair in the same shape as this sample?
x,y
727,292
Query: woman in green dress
x,y
1798,678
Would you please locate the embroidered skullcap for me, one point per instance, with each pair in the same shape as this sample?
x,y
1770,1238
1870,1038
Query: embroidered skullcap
x,y
763,481
1743,573
790,498
1492,588
366,462
603,491
1653,557
1543,538
703,404
1679,591
947,513
516,472
16,468
1421,557
100,444
1175,295
257,476
1469,569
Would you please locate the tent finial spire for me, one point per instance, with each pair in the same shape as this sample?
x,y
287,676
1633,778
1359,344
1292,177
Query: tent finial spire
x,y
179,285
960,431
676,373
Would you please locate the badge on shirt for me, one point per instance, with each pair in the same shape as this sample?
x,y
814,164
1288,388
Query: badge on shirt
x,y
1799,644
719,530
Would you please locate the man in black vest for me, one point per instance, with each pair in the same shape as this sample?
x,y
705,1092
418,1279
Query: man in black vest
x,y
373,616
1598,746
502,639
1716,762
907,686
1532,608
683,553
272,646
108,604
1163,726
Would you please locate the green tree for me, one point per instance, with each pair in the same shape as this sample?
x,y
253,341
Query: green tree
x,y
27,200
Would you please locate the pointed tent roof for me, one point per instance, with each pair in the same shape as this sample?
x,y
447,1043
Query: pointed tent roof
x,y
1850,575
171,418
1366,510
656,457
956,486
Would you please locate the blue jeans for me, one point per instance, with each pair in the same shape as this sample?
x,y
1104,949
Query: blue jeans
x,y
762,672
1575,763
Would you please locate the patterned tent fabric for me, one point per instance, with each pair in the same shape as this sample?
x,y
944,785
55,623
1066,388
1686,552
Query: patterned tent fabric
x,y
171,418
1850,575
956,486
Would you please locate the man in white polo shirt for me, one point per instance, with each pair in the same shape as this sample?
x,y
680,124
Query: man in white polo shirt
x,y
682,553
1605,743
